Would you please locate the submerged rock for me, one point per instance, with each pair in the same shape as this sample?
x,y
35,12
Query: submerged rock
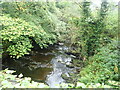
x,y
70,66
67,78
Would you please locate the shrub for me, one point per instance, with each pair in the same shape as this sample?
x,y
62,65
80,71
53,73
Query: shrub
x,y
7,80
103,66
17,36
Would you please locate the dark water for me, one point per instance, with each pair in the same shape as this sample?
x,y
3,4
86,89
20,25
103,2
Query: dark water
x,y
45,65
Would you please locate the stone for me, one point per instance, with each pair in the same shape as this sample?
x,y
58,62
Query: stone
x,y
70,66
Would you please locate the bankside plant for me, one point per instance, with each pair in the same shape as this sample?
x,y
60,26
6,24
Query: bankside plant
x,y
17,36
103,66
7,80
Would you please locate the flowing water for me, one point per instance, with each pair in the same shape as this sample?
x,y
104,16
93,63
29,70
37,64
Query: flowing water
x,y
44,65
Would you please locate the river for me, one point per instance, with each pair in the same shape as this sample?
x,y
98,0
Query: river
x,y
44,65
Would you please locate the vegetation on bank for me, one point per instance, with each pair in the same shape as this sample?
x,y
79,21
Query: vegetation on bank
x,y
7,80
102,67
13,81
23,24
93,34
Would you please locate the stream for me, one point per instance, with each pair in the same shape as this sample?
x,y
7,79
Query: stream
x,y
44,65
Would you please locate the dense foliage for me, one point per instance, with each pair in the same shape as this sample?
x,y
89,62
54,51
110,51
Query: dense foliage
x,y
29,24
102,66
97,41
18,34
91,33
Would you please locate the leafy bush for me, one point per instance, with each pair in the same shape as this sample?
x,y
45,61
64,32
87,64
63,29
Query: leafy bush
x,y
7,80
18,34
89,85
103,66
